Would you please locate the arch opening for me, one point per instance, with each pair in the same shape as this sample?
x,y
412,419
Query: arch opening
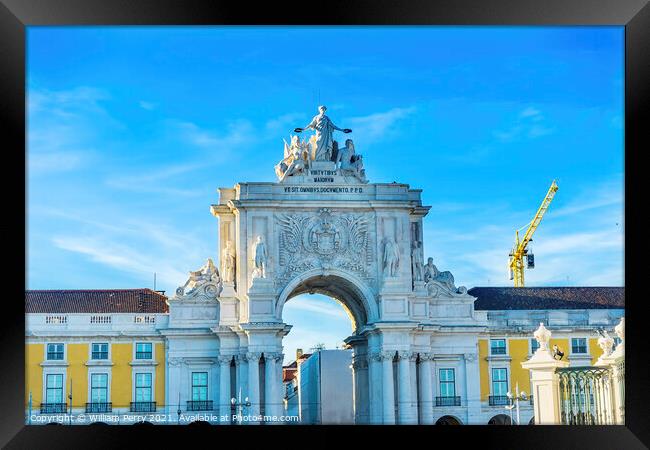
x,y
352,293
448,420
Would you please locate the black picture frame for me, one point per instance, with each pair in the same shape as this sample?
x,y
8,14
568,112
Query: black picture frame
x,y
15,15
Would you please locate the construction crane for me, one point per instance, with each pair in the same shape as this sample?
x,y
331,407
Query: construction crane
x,y
516,262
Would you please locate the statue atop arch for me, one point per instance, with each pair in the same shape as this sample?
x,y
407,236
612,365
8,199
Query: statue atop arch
x,y
323,142
320,155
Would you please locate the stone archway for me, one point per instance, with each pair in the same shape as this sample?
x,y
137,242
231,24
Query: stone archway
x,y
356,297
448,420
361,307
500,419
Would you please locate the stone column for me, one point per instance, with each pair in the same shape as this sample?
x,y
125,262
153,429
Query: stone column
x,y
224,385
241,369
279,385
546,384
254,384
426,390
375,387
360,380
413,372
272,385
173,384
388,390
472,388
404,389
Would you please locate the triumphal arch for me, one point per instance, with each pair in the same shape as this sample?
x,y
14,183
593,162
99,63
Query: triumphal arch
x,y
322,227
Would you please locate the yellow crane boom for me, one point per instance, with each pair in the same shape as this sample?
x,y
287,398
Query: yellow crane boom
x,y
516,263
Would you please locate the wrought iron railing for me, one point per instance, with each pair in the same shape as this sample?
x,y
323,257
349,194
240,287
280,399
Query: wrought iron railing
x,y
499,400
586,396
99,407
448,401
199,405
54,408
143,406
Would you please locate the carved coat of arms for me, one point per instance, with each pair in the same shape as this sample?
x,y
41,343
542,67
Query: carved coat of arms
x,y
325,239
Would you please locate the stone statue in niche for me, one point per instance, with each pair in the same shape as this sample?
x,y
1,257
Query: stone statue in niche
x,y
322,145
260,258
208,273
228,260
417,258
350,163
391,258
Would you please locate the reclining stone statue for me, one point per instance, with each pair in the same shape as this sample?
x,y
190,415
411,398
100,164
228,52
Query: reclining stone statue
x,y
433,276
208,273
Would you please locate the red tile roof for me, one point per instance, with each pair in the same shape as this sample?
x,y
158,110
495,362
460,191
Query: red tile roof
x,y
502,298
96,301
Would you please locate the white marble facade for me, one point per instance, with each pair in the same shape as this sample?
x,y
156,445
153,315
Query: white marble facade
x,y
324,229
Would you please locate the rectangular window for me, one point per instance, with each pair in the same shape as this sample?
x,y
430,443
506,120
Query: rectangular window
x,y
143,387
55,352
99,351
54,388
579,345
99,388
143,350
498,346
447,383
499,381
534,345
199,386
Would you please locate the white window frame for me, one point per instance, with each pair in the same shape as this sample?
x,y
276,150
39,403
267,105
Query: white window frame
x,y
499,366
99,371
531,351
586,352
153,350
90,351
144,369
65,352
55,371
208,386
453,369
507,350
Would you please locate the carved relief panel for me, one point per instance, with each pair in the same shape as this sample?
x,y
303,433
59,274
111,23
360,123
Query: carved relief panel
x,y
325,239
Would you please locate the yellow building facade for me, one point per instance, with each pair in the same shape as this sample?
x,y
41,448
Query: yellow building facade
x,y
94,353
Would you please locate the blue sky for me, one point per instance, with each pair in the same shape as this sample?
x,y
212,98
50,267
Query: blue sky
x,y
132,129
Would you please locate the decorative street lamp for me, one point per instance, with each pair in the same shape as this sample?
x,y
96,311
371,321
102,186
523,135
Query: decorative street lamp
x,y
239,404
514,401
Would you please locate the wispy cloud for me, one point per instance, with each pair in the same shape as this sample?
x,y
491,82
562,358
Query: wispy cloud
x,y
607,194
237,132
332,310
62,126
529,124
285,122
149,106
122,258
377,125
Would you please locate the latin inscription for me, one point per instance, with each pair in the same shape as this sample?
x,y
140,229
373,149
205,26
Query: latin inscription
x,y
324,189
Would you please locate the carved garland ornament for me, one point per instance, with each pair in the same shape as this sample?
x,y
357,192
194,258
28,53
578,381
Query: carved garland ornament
x,y
324,240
